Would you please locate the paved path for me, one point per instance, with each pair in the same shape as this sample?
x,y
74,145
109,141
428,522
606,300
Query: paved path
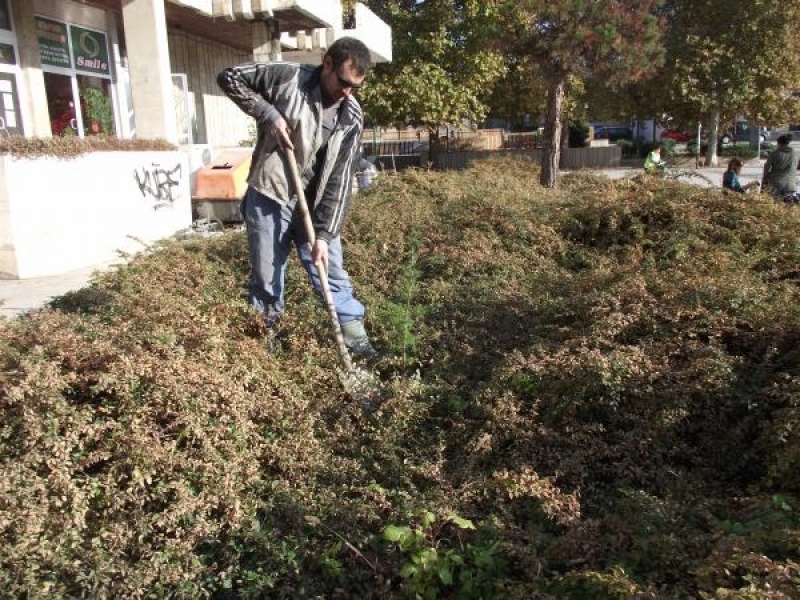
x,y
751,171
21,295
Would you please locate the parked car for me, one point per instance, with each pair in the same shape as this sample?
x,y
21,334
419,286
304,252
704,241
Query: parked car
x,y
793,131
676,136
612,133
740,132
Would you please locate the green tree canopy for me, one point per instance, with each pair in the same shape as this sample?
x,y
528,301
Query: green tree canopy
x,y
443,66
613,39
520,91
728,58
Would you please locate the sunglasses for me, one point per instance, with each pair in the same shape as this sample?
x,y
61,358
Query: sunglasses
x,y
344,83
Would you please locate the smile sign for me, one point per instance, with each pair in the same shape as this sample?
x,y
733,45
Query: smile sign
x,y
89,50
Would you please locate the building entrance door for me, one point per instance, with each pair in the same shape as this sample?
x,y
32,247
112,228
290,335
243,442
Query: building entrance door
x,y
61,104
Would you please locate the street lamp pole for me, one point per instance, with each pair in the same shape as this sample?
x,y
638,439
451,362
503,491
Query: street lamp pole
x,y
697,151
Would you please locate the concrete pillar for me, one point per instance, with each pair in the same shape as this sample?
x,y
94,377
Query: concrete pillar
x,y
122,112
32,95
149,68
266,41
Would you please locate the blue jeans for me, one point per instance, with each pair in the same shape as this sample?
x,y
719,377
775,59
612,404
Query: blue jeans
x,y
271,230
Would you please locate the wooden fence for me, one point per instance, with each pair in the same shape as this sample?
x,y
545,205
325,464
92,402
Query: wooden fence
x,y
390,147
571,158
420,135
460,148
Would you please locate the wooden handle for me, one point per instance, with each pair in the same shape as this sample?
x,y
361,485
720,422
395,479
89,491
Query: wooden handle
x,y
322,272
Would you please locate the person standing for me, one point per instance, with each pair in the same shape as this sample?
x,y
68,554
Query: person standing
x,y
311,112
780,169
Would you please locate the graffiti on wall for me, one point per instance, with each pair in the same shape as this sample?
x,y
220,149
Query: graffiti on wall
x,y
159,185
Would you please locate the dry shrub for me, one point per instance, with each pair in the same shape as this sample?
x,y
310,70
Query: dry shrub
x,y
70,146
600,376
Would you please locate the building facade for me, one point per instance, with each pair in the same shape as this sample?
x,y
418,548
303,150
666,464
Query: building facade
x,y
134,69
147,68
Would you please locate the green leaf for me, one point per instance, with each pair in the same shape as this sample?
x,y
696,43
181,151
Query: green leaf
x,y
396,533
408,571
779,502
428,519
460,522
445,575
428,556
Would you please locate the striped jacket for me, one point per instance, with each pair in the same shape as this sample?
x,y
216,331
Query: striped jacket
x,y
268,91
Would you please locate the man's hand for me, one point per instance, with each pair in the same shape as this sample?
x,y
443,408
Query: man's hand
x,y
281,131
320,253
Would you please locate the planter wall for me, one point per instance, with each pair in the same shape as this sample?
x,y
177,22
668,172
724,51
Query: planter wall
x,y
57,215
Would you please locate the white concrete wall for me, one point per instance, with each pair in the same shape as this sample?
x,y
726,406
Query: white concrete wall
x,y
149,69
204,6
327,11
310,46
217,120
72,12
57,215
376,34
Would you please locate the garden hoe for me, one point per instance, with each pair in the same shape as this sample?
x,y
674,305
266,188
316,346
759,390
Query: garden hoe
x,y
360,384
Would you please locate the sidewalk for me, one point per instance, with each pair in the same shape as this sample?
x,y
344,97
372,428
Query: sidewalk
x,y
751,171
18,296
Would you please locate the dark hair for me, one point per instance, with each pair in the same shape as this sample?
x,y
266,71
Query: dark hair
x,y
350,48
734,164
784,139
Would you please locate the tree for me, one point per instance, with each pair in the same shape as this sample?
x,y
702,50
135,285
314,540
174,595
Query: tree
x,y
728,58
519,92
618,40
443,67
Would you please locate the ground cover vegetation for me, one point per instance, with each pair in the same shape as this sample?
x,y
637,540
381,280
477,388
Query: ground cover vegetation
x,y
591,392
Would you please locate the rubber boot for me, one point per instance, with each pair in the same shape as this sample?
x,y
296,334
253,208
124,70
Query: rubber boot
x,y
357,341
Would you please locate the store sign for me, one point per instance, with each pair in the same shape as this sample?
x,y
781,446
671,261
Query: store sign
x,y
53,43
89,50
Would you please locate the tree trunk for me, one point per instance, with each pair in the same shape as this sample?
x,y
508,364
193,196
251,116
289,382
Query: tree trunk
x,y
712,160
552,134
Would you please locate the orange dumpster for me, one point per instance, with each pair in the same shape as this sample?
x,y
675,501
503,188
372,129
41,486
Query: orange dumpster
x,y
221,184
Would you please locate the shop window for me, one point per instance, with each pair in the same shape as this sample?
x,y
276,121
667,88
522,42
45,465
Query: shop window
x,y
63,120
96,108
7,54
5,16
77,73
9,105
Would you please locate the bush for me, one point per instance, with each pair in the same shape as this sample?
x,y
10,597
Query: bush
x,y
730,150
629,148
667,148
578,134
640,148
603,378
69,146
740,151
